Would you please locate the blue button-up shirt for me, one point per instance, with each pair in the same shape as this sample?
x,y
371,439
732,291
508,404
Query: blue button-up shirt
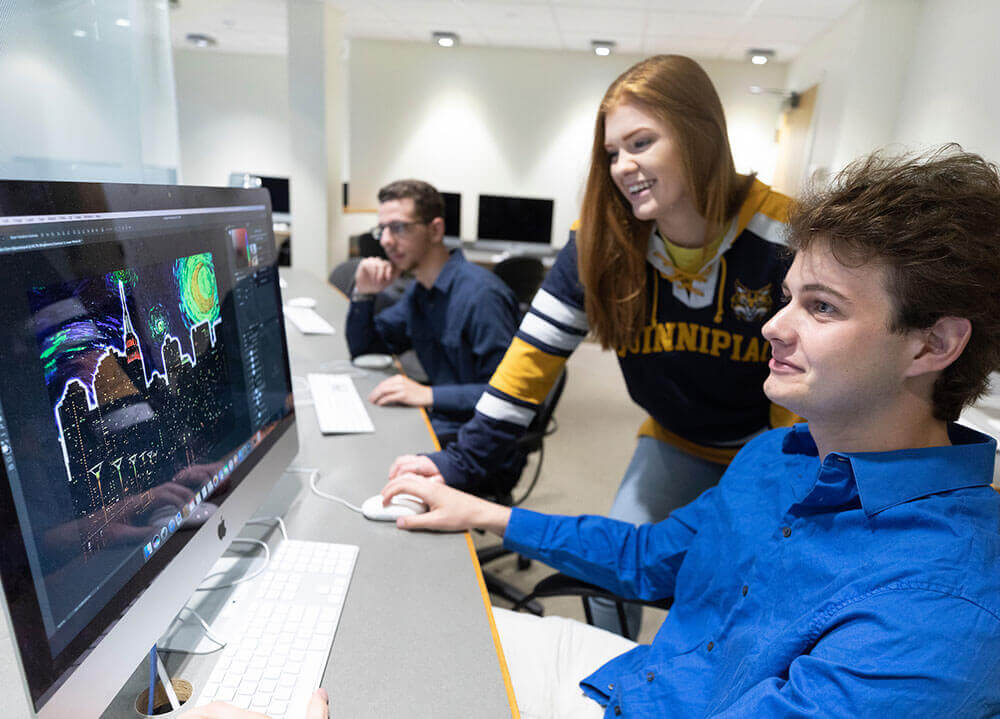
x,y
865,585
460,328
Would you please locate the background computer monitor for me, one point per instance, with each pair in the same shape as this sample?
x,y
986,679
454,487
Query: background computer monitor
x,y
144,374
278,187
515,219
452,214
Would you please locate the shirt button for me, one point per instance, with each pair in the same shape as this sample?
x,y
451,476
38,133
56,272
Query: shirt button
x,y
611,687
786,532
711,646
650,676
746,589
618,711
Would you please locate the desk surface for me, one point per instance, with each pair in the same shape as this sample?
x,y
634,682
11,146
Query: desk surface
x,y
415,637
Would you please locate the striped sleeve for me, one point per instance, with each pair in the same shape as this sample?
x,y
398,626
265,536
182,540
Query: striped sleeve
x,y
553,327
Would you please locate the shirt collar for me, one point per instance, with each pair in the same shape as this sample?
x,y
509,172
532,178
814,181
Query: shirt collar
x,y
449,272
884,479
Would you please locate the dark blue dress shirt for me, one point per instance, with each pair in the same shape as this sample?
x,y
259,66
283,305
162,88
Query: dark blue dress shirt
x,y
459,328
865,585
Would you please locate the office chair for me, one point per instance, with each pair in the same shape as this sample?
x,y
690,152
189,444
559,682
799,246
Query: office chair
x,y
531,442
523,275
342,277
562,585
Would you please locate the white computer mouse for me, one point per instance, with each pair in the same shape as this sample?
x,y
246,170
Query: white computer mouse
x,y
372,361
402,505
308,302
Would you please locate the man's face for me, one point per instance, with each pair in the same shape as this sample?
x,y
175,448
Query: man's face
x,y
407,247
834,357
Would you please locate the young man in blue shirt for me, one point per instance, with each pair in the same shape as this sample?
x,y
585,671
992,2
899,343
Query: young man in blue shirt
x,y
458,317
846,567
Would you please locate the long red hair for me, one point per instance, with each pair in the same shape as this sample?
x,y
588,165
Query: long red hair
x,y
611,242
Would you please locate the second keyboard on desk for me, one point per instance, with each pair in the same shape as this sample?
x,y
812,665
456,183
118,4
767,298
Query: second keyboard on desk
x,y
280,627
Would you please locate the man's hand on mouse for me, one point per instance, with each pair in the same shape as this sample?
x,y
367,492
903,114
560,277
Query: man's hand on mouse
x,y
402,390
373,275
319,708
448,509
415,464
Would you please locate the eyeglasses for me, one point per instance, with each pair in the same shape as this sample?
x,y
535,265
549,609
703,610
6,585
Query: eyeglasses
x,y
400,229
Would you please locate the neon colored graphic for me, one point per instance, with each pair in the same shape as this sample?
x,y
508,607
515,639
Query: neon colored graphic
x,y
125,276
159,322
135,404
199,298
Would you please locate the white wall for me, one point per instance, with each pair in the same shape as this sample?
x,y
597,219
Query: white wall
x,y
951,90
470,120
510,122
88,92
232,112
860,64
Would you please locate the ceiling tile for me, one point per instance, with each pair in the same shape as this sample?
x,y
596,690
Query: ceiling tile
x,y
435,12
511,15
662,23
822,9
707,7
588,20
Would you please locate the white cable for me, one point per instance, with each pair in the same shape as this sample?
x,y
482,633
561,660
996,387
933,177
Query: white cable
x,y
314,477
209,634
168,686
265,520
241,580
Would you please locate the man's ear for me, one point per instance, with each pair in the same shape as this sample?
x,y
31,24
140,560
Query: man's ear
x,y
942,344
437,228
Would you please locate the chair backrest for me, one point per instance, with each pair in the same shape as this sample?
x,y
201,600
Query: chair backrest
x,y
342,276
523,275
532,439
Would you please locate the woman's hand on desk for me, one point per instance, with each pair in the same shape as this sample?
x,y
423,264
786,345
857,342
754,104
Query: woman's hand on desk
x,y
448,509
399,389
319,708
414,464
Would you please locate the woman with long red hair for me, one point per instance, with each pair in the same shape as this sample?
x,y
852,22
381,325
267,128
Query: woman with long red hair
x,y
676,265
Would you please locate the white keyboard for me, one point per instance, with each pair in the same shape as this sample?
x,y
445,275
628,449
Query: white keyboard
x,y
308,321
280,627
339,409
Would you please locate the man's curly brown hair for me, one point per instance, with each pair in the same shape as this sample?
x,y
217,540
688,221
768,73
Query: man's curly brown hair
x,y
933,221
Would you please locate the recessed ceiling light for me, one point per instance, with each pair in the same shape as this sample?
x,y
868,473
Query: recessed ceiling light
x,y
445,39
759,56
79,33
602,47
123,22
200,39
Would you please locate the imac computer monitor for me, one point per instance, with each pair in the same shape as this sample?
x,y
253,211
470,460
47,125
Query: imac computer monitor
x,y
144,375
515,219
452,214
281,207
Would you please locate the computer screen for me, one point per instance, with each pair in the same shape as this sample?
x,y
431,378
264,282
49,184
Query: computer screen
x,y
515,219
279,189
144,373
452,214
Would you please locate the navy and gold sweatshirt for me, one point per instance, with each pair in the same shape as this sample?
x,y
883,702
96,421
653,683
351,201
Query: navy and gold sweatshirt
x,y
697,368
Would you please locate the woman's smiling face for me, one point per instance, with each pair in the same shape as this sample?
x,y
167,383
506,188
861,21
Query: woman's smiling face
x,y
645,163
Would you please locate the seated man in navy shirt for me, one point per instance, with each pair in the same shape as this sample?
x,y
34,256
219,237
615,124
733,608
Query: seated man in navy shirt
x,y
848,567
458,317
